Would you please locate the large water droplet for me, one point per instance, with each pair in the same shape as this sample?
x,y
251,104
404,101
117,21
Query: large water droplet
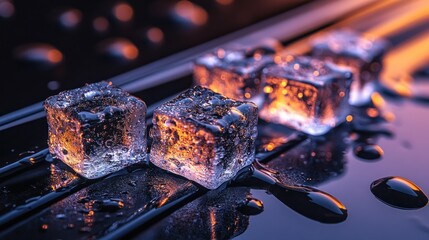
x,y
119,48
252,206
369,152
39,53
311,202
399,192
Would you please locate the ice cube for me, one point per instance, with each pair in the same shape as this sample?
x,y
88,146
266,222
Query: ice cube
x,y
306,94
204,136
363,54
97,129
234,73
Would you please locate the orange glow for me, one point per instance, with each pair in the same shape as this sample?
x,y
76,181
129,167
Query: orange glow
x,y
155,35
419,13
55,56
372,112
123,12
247,95
395,74
130,52
45,227
349,118
191,12
377,100
406,182
213,223
163,201
268,89
389,116
335,201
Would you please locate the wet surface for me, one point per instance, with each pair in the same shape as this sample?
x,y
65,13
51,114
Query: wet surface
x,y
302,183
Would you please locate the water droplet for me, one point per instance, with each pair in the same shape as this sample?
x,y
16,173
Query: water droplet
x,y
369,152
60,216
70,18
252,206
399,192
39,53
119,48
311,202
108,205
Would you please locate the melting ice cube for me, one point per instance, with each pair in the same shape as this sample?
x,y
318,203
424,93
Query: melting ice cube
x,y
234,73
204,136
97,129
362,54
306,94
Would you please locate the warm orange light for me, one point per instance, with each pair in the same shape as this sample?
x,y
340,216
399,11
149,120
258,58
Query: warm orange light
x,y
268,89
408,183
130,52
372,112
191,12
123,12
55,56
349,118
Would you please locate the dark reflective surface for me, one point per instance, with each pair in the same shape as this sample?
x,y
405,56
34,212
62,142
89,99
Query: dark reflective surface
x,y
103,206
213,216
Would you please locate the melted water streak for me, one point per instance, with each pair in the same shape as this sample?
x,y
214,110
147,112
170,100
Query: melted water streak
x,y
22,164
307,201
106,206
275,139
215,215
314,160
28,191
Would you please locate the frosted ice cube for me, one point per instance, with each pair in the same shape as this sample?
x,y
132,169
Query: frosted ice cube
x,y
234,73
97,129
204,136
306,94
363,54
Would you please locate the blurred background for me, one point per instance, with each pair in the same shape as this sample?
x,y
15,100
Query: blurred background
x,y
47,46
